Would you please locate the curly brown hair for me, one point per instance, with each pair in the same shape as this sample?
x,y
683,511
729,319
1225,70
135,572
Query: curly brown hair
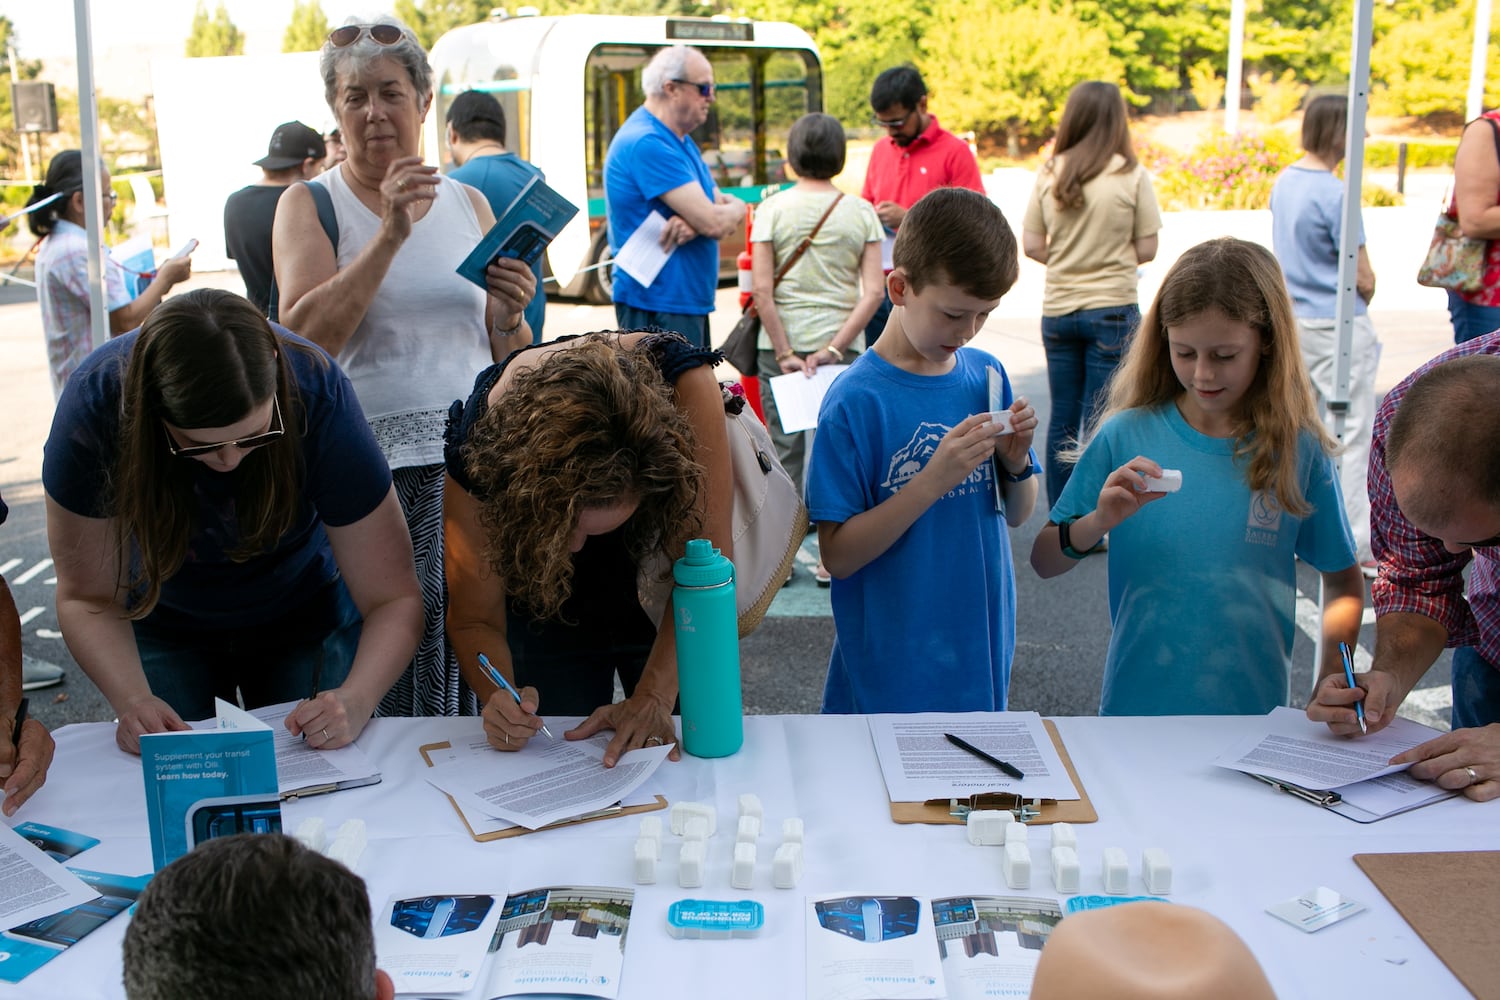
x,y
588,426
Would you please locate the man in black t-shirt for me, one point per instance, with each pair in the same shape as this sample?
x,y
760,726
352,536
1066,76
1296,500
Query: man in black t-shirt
x,y
296,154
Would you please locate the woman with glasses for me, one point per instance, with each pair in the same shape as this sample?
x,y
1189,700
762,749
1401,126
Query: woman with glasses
x,y
387,303
1092,220
62,278
221,521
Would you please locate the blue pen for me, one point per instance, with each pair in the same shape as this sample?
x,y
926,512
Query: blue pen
x,y
504,685
1359,706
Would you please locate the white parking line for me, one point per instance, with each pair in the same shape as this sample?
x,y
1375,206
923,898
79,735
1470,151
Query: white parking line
x,y
27,576
9,565
30,614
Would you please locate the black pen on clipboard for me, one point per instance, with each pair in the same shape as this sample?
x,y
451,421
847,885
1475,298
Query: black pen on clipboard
x,y
1008,768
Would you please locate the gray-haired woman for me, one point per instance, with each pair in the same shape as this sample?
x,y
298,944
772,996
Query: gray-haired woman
x,y
409,332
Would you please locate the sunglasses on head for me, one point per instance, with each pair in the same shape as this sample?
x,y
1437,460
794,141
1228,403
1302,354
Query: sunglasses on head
x,y
384,34
275,431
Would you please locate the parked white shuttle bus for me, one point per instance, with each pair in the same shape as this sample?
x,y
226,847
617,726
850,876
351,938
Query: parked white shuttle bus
x,y
568,83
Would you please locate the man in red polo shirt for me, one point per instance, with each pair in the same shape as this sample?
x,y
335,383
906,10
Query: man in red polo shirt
x,y
916,156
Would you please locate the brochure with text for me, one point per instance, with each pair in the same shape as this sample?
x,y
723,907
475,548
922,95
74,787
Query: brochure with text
x,y
203,783
553,940
532,220
29,946
959,947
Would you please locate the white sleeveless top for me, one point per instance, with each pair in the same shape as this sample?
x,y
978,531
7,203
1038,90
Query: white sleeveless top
x,y
423,338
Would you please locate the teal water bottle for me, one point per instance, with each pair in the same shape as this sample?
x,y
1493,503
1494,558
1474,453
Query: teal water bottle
x,y
708,651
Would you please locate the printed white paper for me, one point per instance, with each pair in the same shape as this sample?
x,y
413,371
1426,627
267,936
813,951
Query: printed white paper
x,y
799,396
919,763
32,885
642,256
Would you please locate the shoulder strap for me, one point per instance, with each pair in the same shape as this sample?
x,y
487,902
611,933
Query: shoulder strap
x,y
801,249
323,201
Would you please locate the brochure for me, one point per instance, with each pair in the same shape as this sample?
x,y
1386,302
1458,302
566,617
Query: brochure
x,y
33,884
959,947
555,939
29,946
205,783
532,220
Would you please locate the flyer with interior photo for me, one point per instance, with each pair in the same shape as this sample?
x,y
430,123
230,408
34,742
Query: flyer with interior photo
x,y
29,946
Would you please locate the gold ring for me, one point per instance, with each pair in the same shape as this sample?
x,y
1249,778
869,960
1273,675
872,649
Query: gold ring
x,y
655,741
1473,778
401,184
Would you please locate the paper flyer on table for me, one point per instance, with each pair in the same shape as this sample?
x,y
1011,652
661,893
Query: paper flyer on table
x,y
866,947
560,939
549,780
642,256
302,769
33,944
32,885
990,944
799,396
1288,746
919,763
435,942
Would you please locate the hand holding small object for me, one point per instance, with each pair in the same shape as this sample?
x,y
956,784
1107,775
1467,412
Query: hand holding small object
x,y
505,685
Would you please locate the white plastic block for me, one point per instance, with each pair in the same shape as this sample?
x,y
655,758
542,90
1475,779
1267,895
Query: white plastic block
x,y
1065,873
696,828
313,833
1156,871
690,864
1116,871
1017,864
742,876
353,829
986,827
750,806
786,865
646,853
683,811
651,827
1063,835
348,844
791,830
1018,833
748,831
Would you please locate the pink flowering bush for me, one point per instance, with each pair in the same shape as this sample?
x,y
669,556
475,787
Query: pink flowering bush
x,y
1223,171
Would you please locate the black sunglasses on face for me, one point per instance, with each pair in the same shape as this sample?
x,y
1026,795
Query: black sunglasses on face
x,y
704,89
275,431
384,34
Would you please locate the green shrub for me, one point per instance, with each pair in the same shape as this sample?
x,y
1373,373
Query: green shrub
x,y
1419,152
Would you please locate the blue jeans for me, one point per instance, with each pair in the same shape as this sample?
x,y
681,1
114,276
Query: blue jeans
x,y
877,322
694,328
269,664
1083,349
1476,689
1469,320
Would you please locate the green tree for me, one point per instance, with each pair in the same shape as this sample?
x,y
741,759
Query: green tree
x,y
998,70
430,19
10,139
214,35
1421,66
307,29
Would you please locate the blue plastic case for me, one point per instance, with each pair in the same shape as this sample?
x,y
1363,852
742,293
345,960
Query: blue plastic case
x,y
715,918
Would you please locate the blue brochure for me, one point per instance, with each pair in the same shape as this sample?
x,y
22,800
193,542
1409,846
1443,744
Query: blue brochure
x,y
32,945
532,220
206,783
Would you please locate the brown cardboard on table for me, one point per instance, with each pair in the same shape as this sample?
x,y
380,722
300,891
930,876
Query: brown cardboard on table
x,y
1079,810
1450,899
521,831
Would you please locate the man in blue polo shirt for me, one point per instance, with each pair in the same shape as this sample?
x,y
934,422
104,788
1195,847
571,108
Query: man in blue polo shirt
x,y
653,164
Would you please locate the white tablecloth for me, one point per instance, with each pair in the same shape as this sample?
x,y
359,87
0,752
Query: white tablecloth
x,y
1236,846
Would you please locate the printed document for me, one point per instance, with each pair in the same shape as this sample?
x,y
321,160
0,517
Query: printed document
x,y
1288,746
919,763
302,769
798,397
32,885
548,781
642,256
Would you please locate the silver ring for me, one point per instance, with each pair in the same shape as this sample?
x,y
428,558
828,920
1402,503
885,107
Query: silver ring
x,y
325,736
1473,778
655,741
505,736
401,184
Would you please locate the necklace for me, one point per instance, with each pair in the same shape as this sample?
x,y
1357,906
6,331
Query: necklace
x,y
499,149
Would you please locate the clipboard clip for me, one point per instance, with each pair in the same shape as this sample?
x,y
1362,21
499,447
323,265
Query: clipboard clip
x,y
1022,809
1317,796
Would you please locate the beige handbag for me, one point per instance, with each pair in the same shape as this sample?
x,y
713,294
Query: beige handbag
x,y
769,522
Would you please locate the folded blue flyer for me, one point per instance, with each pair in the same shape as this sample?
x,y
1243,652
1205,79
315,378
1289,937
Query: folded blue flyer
x,y
30,946
532,220
205,783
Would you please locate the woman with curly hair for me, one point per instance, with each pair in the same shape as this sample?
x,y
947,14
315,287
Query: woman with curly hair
x,y
574,464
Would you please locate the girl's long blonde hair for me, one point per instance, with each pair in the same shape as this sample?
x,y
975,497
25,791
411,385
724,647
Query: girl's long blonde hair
x,y
1242,281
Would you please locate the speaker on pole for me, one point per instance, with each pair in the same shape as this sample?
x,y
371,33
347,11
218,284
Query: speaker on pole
x,y
35,106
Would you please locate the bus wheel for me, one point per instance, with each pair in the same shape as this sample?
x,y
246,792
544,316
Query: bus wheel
x,y
599,289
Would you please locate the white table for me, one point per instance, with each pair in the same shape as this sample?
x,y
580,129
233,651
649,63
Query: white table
x,y
1236,847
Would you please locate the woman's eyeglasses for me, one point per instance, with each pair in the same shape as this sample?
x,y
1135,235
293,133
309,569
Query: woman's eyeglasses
x,y
277,429
705,90
384,34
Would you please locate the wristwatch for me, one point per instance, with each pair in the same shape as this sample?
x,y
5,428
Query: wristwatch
x,y
1019,477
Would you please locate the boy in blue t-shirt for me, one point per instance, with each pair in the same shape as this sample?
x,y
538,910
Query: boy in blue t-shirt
x,y
912,481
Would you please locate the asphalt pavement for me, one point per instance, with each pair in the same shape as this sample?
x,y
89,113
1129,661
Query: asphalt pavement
x,y
1062,624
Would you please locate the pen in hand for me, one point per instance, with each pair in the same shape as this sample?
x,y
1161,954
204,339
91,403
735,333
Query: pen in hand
x,y
504,685
15,737
1359,706
1010,769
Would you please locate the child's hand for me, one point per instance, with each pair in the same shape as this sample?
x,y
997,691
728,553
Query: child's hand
x,y
1121,495
1013,448
960,452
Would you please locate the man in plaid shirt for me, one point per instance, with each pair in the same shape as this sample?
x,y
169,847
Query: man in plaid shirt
x,y
1435,507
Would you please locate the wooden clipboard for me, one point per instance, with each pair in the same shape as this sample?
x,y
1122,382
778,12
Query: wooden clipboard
x,y
521,831
1449,899
1079,810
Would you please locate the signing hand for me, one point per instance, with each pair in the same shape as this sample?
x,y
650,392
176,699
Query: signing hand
x,y
1333,702
637,721
328,720
28,772
508,724
147,714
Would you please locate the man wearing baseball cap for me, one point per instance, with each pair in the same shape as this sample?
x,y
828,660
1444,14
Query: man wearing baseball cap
x,y
295,154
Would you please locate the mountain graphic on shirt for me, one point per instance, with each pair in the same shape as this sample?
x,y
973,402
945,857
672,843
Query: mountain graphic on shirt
x,y
909,460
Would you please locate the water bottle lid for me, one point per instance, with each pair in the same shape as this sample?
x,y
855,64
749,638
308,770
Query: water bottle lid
x,y
702,565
